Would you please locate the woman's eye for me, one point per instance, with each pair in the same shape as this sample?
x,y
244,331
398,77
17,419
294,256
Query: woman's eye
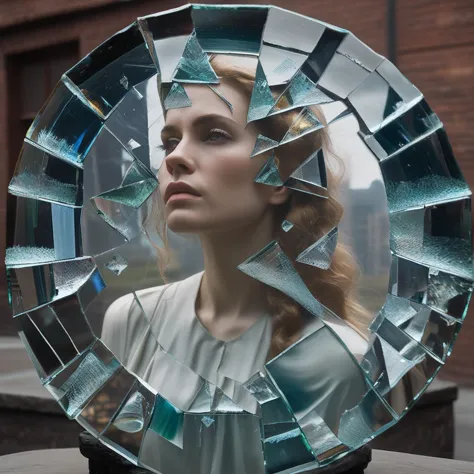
x,y
218,134
169,145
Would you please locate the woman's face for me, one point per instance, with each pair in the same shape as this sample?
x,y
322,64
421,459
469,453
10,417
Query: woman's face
x,y
208,147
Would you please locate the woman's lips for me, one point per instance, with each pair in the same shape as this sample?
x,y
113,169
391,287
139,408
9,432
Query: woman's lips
x,y
182,197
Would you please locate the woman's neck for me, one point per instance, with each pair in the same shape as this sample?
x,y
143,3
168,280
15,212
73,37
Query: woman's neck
x,y
226,292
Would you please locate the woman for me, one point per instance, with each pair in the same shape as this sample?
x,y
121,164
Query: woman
x,y
211,332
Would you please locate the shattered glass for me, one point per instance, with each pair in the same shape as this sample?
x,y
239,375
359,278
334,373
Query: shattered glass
x,y
103,294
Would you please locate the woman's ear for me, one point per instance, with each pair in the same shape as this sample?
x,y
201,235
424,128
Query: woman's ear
x,y
280,194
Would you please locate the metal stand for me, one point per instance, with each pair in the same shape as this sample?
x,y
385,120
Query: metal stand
x,y
103,460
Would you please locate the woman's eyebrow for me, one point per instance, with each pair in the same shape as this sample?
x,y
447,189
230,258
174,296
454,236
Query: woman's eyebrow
x,y
201,120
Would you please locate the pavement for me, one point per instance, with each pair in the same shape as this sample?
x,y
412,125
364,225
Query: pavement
x,y
17,375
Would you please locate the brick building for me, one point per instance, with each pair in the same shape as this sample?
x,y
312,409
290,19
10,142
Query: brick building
x,y
432,42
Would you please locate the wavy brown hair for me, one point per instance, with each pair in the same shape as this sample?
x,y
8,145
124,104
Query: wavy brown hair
x,y
312,217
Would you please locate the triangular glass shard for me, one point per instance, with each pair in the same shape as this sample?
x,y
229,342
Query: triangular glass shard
x,y
41,175
341,115
306,122
194,66
262,145
223,404
262,99
177,98
312,170
301,91
320,253
272,267
269,173
286,225
395,364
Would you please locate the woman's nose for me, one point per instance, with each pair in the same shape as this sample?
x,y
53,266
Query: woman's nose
x,y
179,160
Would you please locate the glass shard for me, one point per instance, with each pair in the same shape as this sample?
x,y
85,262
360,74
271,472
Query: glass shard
x,y
167,421
40,284
110,70
312,170
213,89
53,331
85,376
300,92
44,232
177,98
320,253
65,126
262,100
126,430
423,173
41,175
117,265
269,173
306,122
262,145
238,29
194,64
419,235
97,414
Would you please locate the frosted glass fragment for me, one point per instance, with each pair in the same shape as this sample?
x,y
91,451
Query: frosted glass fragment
x,y
306,122
65,126
126,430
110,70
262,100
85,376
221,403
301,91
45,360
269,173
37,285
97,414
41,175
194,66
286,225
423,173
229,30
262,145
449,294
320,253
312,170
177,97
44,232
45,320
117,265
261,388
437,236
